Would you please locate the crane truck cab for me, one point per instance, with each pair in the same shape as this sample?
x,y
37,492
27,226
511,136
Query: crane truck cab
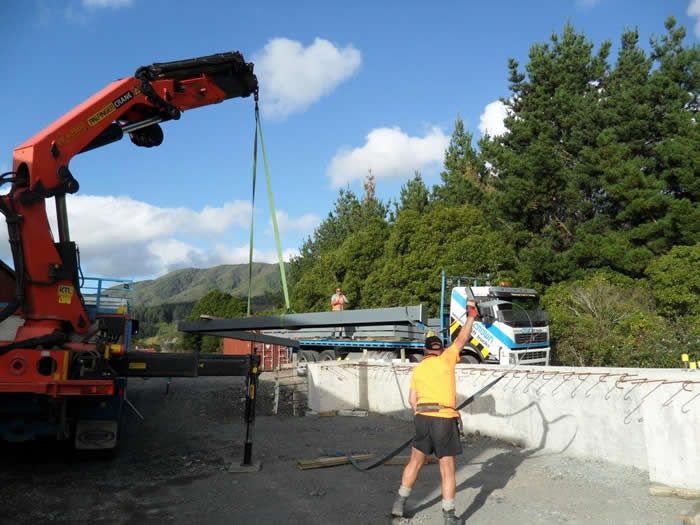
x,y
512,328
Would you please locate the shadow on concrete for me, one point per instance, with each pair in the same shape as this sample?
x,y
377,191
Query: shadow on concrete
x,y
497,471
363,386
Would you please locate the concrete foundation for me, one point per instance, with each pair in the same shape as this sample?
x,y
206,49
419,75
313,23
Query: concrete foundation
x,y
644,418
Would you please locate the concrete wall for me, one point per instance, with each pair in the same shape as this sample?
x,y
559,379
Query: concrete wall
x,y
645,418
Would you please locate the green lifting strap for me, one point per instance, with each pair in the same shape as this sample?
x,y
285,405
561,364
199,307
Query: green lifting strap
x,y
275,228
271,200
252,211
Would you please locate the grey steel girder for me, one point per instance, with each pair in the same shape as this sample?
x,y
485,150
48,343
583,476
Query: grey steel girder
x,y
407,315
254,337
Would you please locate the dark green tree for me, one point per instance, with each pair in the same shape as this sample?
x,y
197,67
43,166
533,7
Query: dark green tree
x,y
217,304
456,239
598,167
646,157
360,228
461,182
550,120
414,195
675,282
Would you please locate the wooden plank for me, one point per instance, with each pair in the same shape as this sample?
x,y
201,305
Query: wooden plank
x,y
324,462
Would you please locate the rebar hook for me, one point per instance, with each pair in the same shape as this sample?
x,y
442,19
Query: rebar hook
x,y
627,419
545,382
537,375
683,410
582,381
681,389
566,378
601,379
617,382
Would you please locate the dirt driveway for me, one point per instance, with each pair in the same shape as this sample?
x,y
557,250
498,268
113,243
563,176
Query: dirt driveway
x,y
173,468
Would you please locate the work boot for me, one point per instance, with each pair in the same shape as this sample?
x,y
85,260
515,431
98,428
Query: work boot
x,y
398,508
450,517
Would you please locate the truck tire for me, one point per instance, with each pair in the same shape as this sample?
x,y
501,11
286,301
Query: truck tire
x,y
308,356
328,355
468,359
416,358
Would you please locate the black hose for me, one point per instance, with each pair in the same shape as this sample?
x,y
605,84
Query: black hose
x,y
394,452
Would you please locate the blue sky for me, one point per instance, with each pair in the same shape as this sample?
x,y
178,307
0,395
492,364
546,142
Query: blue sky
x,y
344,89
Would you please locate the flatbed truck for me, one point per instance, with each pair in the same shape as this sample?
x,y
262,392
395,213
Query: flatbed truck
x,y
511,330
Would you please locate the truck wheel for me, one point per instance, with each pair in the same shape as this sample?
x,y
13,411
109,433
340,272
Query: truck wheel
x,y
468,359
308,356
416,358
328,355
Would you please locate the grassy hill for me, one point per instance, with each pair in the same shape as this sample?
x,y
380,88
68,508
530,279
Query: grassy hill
x,y
160,303
190,284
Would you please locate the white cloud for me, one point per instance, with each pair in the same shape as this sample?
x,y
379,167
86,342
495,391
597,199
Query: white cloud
x,y
240,254
172,254
303,225
388,152
694,11
122,237
491,120
113,4
98,220
292,77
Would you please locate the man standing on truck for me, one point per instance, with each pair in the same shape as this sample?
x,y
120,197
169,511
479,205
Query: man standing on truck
x,y
433,397
338,300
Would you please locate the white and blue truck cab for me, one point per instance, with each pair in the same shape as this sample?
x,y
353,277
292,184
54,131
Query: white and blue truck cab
x,y
512,328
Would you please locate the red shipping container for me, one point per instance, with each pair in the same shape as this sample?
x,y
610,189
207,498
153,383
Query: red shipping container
x,y
272,356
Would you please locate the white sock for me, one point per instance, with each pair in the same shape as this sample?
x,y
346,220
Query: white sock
x,y
404,492
448,504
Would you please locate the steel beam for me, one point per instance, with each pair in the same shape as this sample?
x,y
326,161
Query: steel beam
x,y
172,364
407,315
393,331
254,337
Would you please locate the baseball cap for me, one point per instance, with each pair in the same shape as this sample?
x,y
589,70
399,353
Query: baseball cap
x,y
433,343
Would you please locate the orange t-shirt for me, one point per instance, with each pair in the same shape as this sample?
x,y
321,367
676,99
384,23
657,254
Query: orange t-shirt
x,y
433,380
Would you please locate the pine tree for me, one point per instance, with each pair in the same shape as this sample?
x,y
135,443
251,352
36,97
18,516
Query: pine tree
x,y
414,195
461,182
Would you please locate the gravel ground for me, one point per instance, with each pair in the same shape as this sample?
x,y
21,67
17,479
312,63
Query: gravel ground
x,y
173,468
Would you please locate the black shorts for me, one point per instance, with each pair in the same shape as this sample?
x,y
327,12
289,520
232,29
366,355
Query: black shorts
x,y
437,435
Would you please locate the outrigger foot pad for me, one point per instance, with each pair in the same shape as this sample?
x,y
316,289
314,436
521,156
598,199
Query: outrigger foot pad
x,y
255,466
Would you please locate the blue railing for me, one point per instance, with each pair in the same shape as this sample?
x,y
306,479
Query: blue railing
x,y
107,295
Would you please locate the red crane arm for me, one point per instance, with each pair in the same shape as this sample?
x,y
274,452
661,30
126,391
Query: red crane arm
x,y
46,272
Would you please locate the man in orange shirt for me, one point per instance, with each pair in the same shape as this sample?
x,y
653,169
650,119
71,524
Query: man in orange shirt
x,y
433,397
338,300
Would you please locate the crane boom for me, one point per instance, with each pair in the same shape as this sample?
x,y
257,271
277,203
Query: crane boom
x,y
46,272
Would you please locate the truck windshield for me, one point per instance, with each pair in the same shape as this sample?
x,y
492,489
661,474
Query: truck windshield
x,y
520,303
521,312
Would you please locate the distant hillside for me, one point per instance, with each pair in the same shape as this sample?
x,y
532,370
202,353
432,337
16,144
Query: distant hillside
x,y
190,284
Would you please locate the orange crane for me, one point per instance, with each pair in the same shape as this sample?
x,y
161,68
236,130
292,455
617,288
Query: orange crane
x,y
63,366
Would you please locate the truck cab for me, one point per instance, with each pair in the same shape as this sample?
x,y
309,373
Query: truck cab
x,y
512,329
